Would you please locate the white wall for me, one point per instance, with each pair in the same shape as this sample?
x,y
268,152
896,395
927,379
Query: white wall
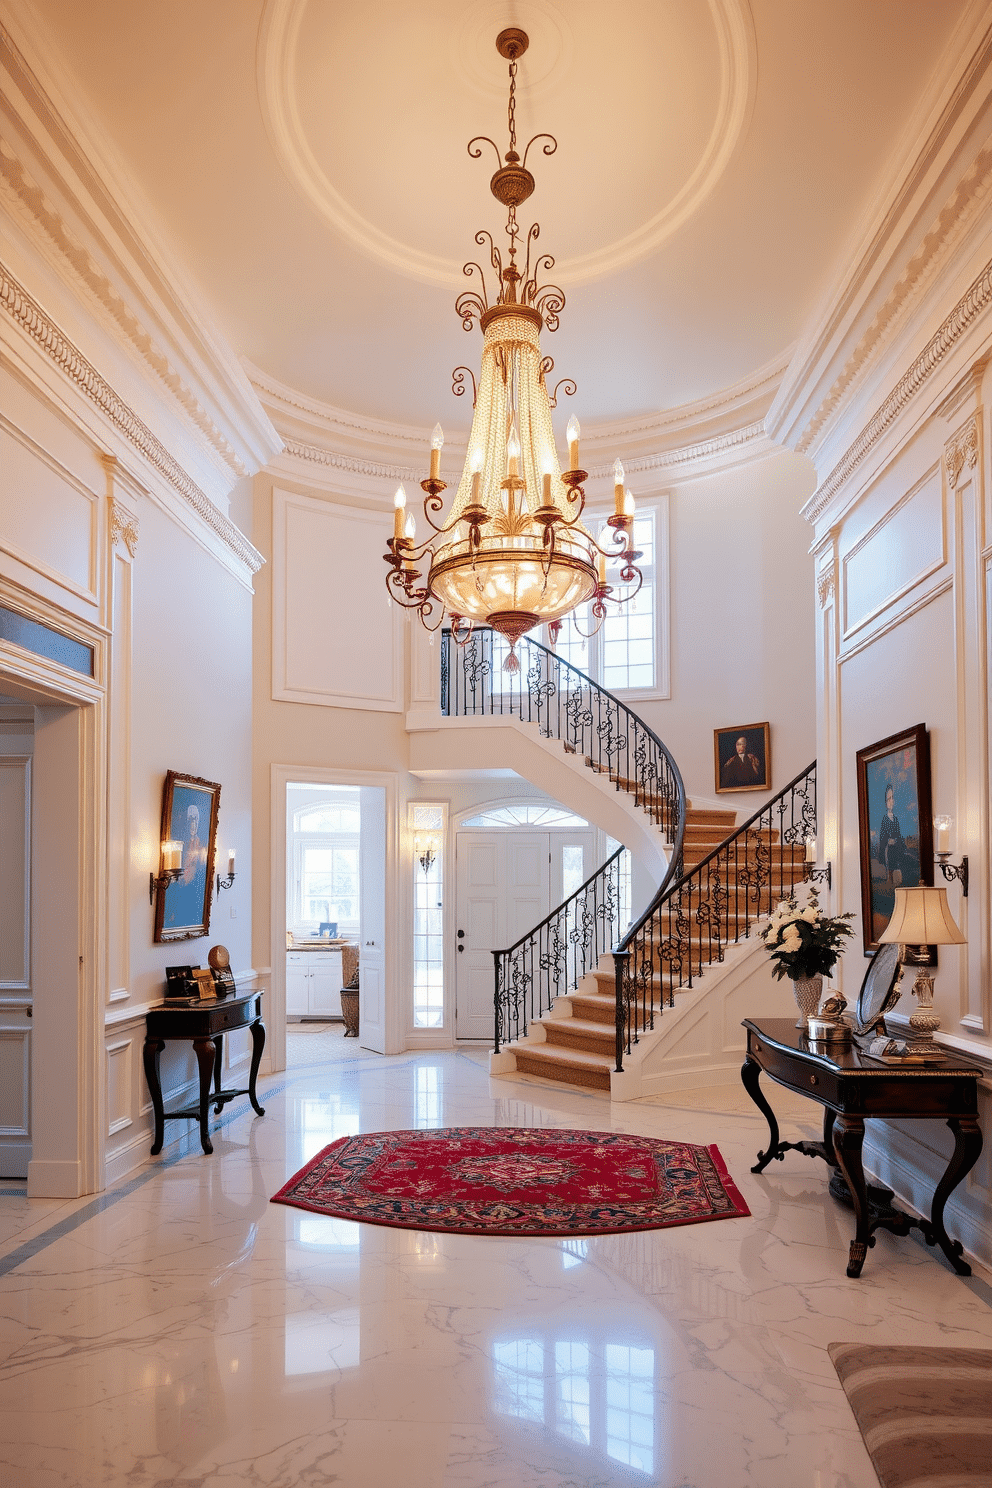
x,y
742,628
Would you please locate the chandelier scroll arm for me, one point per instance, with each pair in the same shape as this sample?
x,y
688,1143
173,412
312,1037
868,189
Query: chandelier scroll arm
x,y
548,149
570,386
482,237
458,383
484,140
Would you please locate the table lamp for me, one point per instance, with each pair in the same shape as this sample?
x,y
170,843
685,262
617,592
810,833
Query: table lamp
x,y
921,917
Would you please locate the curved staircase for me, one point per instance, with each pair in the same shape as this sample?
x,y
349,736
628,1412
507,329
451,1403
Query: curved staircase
x,y
581,990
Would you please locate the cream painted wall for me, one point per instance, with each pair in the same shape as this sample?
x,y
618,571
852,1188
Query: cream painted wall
x,y
742,621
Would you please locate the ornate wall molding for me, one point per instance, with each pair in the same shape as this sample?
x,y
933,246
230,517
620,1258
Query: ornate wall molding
x,y
123,526
977,298
961,451
35,323
826,584
720,444
922,269
39,208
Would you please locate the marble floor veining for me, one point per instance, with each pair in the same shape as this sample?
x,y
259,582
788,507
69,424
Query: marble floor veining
x,y
180,1329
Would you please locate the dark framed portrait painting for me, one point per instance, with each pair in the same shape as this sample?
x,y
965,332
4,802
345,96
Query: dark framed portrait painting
x,y
742,758
189,816
894,824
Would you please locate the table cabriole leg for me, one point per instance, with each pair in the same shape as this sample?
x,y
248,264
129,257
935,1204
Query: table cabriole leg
x,y
750,1076
967,1147
218,1062
849,1136
206,1055
257,1031
152,1049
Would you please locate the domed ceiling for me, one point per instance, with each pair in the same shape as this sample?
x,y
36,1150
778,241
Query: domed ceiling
x,y
306,163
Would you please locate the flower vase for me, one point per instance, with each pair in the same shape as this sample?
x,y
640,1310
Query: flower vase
x,y
807,992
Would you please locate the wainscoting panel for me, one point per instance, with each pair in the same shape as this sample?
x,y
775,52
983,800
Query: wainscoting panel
x,y
906,547
55,534
120,1085
328,621
15,1093
15,872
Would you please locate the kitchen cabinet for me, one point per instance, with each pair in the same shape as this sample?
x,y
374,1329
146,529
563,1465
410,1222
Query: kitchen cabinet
x,y
313,984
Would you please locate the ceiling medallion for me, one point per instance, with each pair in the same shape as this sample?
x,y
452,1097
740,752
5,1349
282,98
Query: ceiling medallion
x,y
512,551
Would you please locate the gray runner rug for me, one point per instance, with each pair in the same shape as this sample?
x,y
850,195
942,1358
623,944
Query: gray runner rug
x,y
925,1413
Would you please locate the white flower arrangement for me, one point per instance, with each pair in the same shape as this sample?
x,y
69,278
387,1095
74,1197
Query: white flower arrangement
x,y
803,942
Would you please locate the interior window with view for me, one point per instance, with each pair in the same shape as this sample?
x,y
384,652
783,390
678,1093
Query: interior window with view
x,y
621,655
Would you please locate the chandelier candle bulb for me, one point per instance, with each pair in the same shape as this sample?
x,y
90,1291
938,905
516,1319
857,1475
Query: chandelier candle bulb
x,y
437,441
601,569
410,530
513,453
547,488
399,505
618,474
628,504
572,435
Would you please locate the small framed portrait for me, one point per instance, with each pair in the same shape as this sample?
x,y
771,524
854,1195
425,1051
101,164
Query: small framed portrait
x,y
189,816
204,979
742,758
895,829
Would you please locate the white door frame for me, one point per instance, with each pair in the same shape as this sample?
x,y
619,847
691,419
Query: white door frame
x,y
69,869
280,777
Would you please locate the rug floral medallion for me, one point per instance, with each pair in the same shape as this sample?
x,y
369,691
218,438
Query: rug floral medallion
x,y
516,1181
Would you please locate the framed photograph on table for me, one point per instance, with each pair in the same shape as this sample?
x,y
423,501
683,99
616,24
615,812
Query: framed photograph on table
x,y
742,758
189,816
895,828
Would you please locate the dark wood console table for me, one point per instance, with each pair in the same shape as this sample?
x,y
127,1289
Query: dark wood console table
x,y
205,1024
852,1087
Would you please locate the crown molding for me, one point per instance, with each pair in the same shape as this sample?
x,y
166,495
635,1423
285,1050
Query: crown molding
x,y
354,454
972,304
73,198
930,217
34,322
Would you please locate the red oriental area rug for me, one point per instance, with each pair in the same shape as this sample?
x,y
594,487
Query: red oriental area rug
x,y
471,1180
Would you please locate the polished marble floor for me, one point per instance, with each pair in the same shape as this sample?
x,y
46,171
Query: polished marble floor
x,y
180,1329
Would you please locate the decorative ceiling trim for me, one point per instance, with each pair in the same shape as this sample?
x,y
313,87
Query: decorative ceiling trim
x,y
688,454
25,311
922,269
30,196
971,304
315,454
278,39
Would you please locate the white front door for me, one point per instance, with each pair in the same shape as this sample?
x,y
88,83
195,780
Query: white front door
x,y
503,890
372,912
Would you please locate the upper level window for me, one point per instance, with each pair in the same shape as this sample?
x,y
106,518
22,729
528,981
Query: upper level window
x,y
626,653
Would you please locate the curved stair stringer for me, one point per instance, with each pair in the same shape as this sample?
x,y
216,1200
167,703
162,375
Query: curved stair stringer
x,y
494,742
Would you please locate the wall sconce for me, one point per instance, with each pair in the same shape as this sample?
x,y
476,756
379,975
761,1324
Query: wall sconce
x,y
812,874
171,869
225,883
426,846
942,851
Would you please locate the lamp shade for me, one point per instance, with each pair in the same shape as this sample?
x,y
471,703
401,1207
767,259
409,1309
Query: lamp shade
x,y
921,917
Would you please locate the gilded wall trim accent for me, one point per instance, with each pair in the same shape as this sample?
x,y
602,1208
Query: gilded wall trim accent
x,y
961,451
32,319
972,303
826,584
123,527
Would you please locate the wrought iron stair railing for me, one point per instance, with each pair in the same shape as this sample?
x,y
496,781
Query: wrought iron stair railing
x,y
564,704
690,922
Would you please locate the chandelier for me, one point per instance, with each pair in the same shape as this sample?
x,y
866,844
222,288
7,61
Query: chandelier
x,y
512,551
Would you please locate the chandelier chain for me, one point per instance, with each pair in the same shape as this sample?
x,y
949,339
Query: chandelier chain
x,y
511,111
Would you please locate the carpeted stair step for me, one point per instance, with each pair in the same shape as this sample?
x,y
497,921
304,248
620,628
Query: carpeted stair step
x,y
580,1033
567,1066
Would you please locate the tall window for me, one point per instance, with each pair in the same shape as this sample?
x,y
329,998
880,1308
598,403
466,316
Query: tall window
x,y
324,852
427,822
623,655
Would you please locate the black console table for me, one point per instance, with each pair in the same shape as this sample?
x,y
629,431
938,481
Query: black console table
x,y
205,1024
852,1086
